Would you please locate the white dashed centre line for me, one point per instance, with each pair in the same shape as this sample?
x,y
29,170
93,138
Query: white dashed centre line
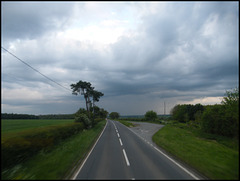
x,y
120,141
124,152
126,158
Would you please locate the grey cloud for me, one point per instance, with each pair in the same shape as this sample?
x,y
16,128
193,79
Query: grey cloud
x,y
33,19
30,107
167,57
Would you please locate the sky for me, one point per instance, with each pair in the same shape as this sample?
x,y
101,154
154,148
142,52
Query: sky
x,y
139,54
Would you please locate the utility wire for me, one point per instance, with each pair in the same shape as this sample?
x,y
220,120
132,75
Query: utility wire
x,y
36,70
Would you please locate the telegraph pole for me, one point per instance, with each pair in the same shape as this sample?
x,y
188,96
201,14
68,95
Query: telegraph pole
x,y
164,108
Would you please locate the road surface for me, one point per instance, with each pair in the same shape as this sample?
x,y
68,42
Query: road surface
x,y
120,153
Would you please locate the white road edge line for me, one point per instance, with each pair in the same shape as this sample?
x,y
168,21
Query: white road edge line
x,y
74,178
196,178
177,164
126,158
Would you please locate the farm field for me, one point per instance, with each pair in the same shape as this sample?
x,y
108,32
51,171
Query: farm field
x,y
11,127
60,159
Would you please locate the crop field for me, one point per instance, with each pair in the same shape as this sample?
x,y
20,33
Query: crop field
x,y
11,127
32,148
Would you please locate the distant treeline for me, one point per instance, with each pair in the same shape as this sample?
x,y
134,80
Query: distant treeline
x,y
29,116
157,119
142,116
57,116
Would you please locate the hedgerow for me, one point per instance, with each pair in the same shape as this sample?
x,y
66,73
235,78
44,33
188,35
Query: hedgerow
x,y
18,149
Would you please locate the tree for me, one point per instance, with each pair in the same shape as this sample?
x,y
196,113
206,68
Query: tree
x,y
114,115
85,89
186,112
84,119
178,112
231,101
231,104
232,97
150,115
81,111
213,120
100,112
223,119
96,96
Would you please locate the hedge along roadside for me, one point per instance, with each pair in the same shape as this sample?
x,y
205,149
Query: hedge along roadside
x,y
18,149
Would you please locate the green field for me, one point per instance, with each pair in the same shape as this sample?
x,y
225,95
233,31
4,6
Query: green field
x,y
16,125
57,163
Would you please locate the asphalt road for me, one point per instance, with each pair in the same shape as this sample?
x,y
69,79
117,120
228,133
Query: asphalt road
x,y
146,130
120,153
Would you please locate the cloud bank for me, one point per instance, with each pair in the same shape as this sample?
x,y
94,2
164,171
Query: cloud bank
x,y
138,54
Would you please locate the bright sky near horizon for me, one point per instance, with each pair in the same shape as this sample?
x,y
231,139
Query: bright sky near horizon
x,y
139,54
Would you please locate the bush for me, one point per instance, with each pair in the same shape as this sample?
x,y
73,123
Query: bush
x,y
186,112
15,150
82,118
150,116
231,103
97,120
114,115
223,119
214,121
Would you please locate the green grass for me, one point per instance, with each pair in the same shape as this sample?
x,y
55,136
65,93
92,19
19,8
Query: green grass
x,y
59,162
211,157
16,125
126,123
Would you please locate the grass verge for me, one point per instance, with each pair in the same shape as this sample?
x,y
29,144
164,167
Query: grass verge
x,y
59,162
126,123
211,158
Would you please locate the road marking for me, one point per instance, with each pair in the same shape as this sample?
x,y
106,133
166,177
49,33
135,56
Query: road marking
x,y
195,177
74,177
114,125
120,141
124,153
126,158
177,164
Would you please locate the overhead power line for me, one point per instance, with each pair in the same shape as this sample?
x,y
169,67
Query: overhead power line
x,y
35,69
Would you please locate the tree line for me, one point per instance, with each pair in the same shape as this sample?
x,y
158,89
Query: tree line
x,y
221,119
30,116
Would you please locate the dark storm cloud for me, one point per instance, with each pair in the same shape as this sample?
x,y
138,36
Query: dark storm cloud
x,y
175,52
33,19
